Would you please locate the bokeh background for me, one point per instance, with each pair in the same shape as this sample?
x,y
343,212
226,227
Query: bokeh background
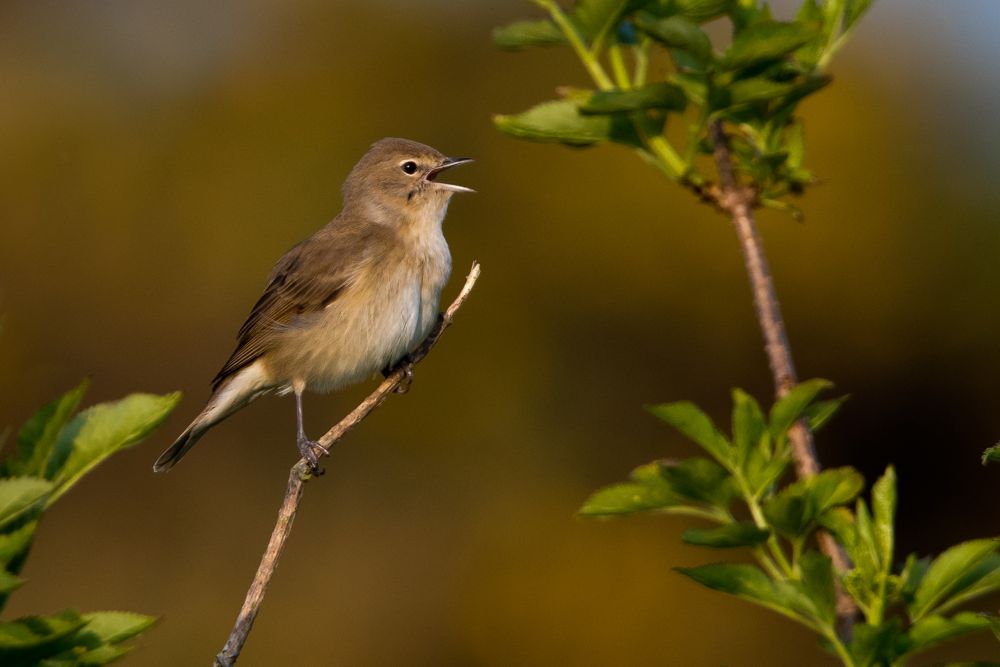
x,y
156,158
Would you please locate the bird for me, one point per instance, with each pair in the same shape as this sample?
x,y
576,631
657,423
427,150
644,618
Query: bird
x,y
354,298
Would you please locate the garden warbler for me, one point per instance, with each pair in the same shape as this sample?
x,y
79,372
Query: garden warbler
x,y
352,299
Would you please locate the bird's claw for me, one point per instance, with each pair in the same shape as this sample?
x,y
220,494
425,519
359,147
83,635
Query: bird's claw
x,y
311,451
404,365
407,379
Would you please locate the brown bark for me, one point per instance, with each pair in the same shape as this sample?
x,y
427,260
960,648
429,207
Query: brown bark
x,y
738,202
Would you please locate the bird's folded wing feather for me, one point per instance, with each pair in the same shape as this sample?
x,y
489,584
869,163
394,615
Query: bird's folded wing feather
x,y
303,281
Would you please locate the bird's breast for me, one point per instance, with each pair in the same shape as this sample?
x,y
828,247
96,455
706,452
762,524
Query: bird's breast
x,y
385,313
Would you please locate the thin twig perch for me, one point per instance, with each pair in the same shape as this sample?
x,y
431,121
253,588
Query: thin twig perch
x,y
300,474
738,202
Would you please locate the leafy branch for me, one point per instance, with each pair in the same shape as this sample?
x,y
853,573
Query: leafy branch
x,y
755,85
737,106
54,450
736,490
735,110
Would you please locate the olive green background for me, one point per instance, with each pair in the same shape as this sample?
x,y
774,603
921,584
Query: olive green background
x,y
156,158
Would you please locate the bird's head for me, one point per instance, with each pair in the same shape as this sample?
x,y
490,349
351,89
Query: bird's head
x,y
399,175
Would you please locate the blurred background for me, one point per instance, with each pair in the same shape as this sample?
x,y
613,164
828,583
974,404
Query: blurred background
x,y
156,159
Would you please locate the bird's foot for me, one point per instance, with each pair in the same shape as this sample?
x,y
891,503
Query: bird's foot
x,y
311,451
404,384
406,366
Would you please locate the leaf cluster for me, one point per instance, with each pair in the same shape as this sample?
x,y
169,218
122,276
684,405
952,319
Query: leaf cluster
x,y
53,450
737,489
755,84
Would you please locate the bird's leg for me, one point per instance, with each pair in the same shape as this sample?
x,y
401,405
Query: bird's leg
x,y
309,449
406,366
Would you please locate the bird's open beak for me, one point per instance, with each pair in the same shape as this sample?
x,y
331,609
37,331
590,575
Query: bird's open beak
x,y
448,164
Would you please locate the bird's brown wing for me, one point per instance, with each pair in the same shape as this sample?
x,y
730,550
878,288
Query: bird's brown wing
x,y
304,281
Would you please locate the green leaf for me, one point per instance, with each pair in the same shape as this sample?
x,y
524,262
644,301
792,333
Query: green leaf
x,y
817,584
9,582
763,465
796,508
866,553
596,18
741,534
767,40
677,32
662,485
884,515
14,547
627,498
114,627
687,418
790,513
38,435
858,587
19,495
946,572
933,630
879,645
793,405
33,632
560,121
854,11
104,655
14,544
748,425
914,571
992,455
525,34
647,491
820,412
69,639
699,11
653,96
980,580
756,89
795,141
809,85
700,480
809,12
750,583
764,469
102,430
78,657
836,486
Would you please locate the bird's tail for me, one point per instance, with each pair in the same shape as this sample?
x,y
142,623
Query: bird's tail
x,y
234,393
180,447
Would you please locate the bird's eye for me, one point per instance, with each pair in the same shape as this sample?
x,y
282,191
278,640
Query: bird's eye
x,y
410,167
